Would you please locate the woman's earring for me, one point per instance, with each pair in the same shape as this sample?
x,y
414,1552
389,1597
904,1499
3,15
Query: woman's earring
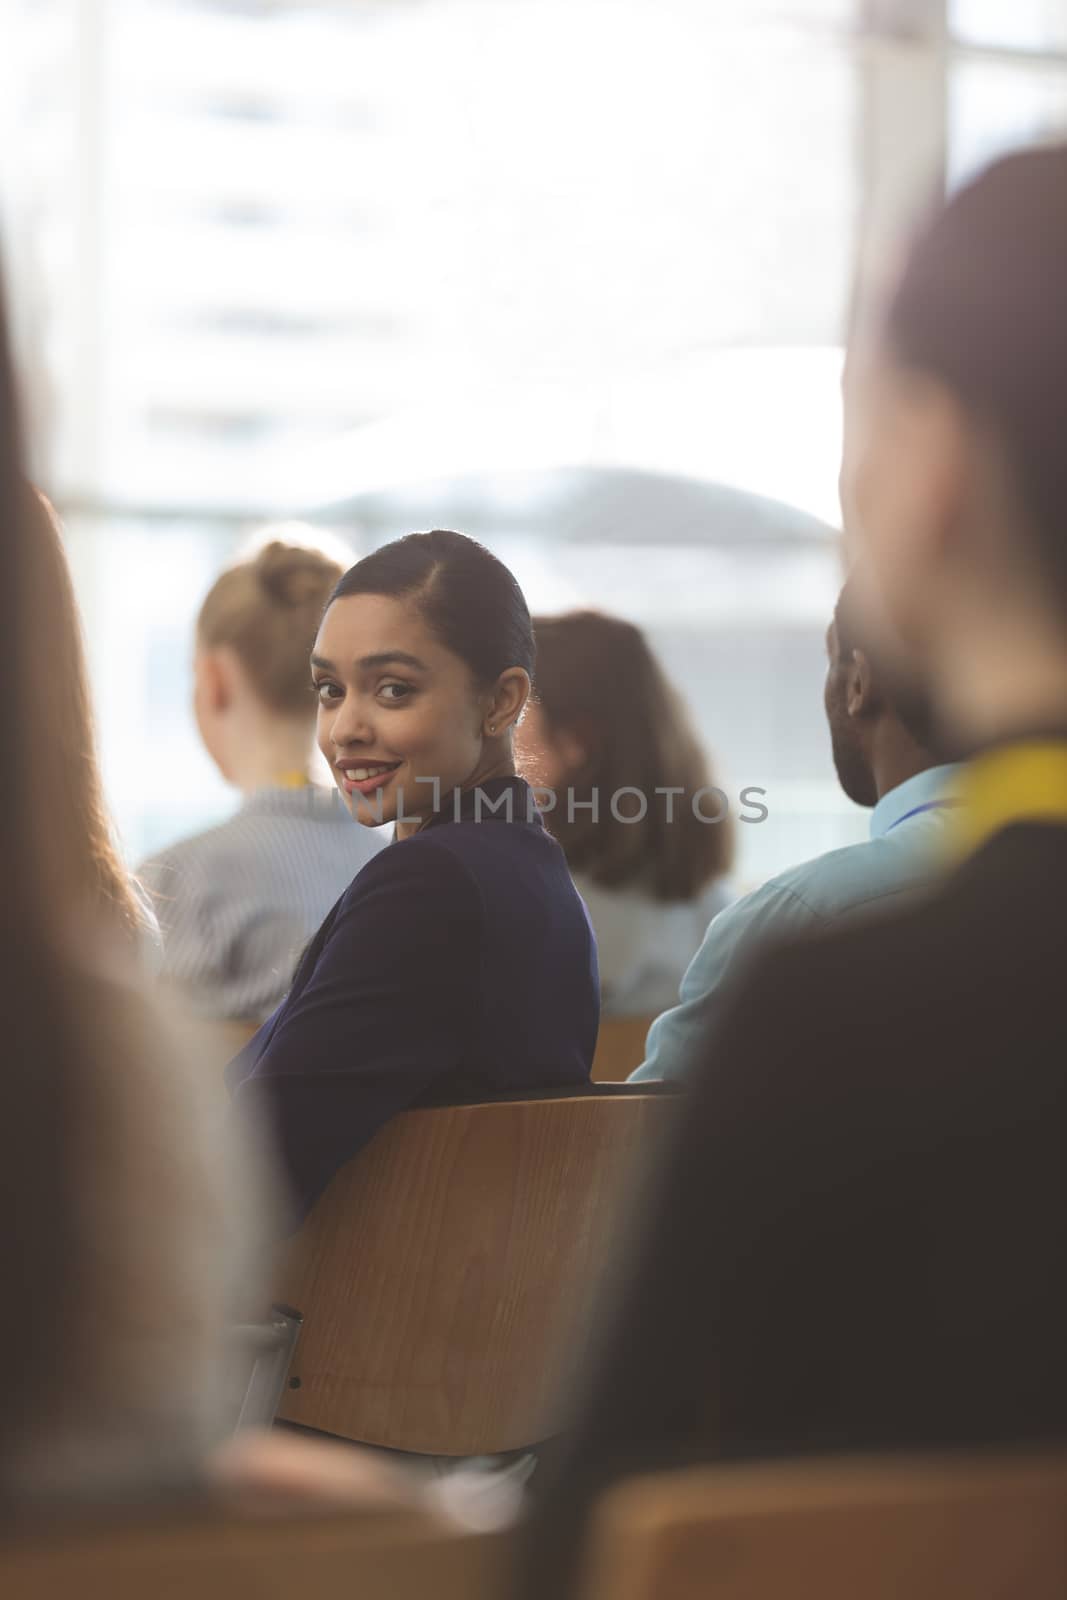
x,y
492,727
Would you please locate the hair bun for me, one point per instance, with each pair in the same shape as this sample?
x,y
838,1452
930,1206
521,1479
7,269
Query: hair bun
x,y
295,575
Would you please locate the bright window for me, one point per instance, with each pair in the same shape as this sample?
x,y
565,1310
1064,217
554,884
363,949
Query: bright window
x,y
276,257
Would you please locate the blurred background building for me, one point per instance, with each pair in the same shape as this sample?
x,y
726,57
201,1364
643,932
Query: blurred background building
x,y
571,275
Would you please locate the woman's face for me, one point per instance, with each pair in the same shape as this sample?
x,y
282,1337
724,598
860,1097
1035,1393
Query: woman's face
x,y
397,710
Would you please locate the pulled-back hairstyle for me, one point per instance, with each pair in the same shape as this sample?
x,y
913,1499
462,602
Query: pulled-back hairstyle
x,y
469,599
598,679
981,306
267,610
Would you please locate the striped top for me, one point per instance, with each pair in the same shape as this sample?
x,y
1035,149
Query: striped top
x,y
238,903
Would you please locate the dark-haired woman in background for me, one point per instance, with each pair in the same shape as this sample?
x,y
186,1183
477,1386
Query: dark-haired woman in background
x,y
605,719
239,901
460,960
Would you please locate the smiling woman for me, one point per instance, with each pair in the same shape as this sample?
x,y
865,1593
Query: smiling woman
x,y
432,972
422,667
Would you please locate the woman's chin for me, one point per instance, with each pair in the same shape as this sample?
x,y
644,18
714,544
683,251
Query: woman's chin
x,y
369,814
392,803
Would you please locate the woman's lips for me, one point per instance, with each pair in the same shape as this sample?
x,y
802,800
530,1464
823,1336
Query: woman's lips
x,y
365,786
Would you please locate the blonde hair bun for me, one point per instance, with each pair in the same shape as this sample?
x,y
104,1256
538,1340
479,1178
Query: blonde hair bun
x,y
266,608
295,576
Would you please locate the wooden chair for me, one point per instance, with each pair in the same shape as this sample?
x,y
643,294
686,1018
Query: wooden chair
x,y
375,1556
983,1528
444,1276
620,1047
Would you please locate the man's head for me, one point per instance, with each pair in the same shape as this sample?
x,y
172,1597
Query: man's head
x,y
879,727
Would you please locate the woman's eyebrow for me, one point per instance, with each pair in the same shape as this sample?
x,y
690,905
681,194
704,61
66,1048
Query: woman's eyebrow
x,y
387,658
383,658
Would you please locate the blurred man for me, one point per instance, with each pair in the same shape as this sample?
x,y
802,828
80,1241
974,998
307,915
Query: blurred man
x,y
857,1239
882,747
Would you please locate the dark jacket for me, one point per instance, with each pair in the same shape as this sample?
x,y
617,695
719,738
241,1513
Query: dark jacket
x,y
458,961
859,1239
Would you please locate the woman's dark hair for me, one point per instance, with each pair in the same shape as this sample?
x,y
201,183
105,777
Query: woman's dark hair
x,y
468,598
598,680
981,306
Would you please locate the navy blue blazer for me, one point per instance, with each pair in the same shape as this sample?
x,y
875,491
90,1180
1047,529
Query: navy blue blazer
x,y
459,961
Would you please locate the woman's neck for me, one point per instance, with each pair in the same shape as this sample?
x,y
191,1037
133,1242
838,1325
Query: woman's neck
x,y
279,755
502,767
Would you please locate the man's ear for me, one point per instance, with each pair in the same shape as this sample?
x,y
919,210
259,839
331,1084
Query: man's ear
x,y
859,686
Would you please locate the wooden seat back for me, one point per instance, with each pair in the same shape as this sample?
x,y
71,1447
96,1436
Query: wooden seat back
x,y
445,1275
949,1529
377,1556
620,1048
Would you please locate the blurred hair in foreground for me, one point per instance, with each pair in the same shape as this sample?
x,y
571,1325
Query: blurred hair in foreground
x,y
854,1243
79,851
122,1243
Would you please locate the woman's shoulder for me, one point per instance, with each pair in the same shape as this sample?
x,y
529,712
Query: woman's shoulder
x,y
446,867
635,898
409,893
641,892
633,913
420,864
248,842
185,857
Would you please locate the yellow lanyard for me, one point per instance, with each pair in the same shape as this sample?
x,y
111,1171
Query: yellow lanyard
x,y
1025,782
291,780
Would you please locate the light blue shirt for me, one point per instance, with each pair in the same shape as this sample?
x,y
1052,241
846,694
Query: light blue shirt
x,y
900,857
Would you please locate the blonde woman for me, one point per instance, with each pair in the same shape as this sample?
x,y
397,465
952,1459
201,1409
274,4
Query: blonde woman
x,y
238,902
